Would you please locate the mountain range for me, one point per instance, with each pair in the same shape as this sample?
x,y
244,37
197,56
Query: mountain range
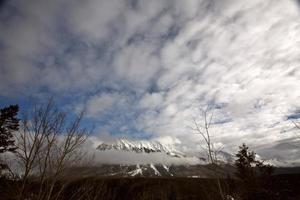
x,y
142,146
146,147
139,149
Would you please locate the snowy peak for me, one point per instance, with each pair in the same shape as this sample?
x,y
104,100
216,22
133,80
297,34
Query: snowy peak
x,y
141,146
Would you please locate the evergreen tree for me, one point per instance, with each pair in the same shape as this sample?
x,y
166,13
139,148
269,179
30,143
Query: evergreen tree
x,y
245,163
8,124
254,176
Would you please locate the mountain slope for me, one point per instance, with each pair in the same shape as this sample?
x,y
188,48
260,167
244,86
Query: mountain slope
x,y
142,146
152,170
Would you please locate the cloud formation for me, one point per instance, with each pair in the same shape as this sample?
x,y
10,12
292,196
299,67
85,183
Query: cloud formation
x,y
143,68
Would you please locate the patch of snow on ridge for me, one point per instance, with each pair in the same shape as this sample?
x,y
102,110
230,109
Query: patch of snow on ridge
x,y
137,171
156,172
166,168
194,176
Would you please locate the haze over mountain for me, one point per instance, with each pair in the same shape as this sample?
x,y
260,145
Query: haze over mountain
x,y
146,152
150,158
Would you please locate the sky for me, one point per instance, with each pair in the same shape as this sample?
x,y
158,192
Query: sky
x,y
145,69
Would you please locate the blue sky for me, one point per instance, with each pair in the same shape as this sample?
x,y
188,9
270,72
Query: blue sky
x,y
143,69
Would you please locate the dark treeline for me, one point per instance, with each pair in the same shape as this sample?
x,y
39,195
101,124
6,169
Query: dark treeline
x,y
284,187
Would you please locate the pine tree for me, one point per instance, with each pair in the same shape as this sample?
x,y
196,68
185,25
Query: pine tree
x,y
245,163
254,176
8,124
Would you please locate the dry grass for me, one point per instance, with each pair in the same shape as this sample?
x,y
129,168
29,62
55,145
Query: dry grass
x,y
284,187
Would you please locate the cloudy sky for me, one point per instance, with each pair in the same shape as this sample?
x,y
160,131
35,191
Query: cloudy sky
x,y
145,68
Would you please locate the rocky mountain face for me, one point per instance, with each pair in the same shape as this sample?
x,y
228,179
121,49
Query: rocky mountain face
x,y
153,170
142,146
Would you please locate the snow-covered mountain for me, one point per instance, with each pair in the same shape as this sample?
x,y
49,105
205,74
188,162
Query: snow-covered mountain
x,y
151,158
147,147
225,157
139,149
141,146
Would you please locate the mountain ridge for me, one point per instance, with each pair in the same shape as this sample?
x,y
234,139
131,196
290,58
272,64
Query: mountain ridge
x,y
141,146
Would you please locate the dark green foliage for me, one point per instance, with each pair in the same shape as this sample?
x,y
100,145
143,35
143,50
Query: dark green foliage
x,y
248,167
8,124
245,165
254,176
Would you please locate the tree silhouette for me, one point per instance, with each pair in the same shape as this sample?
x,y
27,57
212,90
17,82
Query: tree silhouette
x,y
254,175
245,163
8,124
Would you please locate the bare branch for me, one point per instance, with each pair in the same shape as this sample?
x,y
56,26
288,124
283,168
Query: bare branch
x,y
47,144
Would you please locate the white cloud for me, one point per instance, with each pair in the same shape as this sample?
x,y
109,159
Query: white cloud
x,y
99,103
92,17
152,101
137,64
117,157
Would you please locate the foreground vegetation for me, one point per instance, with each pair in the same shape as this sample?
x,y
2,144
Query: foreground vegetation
x,y
282,187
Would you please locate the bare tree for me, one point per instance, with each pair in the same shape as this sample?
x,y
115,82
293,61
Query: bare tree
x,y
48,142
203,129
297,135
296,125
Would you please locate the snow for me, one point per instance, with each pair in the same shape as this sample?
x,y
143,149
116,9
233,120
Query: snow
x,y
166,168
194,176
137,171
142,146
156,172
